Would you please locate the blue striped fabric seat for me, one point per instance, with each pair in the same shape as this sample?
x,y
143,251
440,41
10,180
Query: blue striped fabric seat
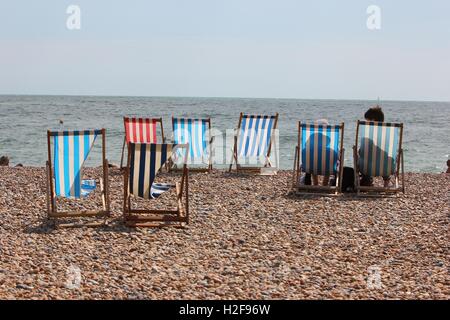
x,y
379,144
319,148
254,135
71,149
146,159
194,132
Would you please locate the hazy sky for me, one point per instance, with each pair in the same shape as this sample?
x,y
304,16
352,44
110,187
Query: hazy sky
x,y
239,48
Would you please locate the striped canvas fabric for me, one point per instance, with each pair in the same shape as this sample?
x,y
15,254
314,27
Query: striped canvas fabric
x,y
378,148
319,148
87,186
146,160
71,149
192,131
254,135
140,130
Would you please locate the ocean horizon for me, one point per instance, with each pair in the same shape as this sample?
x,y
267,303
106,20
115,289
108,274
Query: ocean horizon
x,y
24,120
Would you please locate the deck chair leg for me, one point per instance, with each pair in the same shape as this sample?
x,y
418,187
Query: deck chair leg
x,y
292,184
102,190
187,196
233,160
403,172
48,187
123,151
234,156
108,200
356,170
210,162
104,201
268,164
341,172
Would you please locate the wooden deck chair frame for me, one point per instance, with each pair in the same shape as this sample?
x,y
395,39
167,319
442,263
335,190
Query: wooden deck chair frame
x,y
173,167
178,217
399,162
158,120
234,160
297,170
52,208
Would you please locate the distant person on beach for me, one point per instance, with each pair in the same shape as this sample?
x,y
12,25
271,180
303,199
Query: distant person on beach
x,y
373,114
448,166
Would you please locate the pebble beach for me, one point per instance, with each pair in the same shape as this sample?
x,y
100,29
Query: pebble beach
x,y
247,239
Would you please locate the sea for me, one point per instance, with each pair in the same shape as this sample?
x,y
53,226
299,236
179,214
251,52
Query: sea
x,y
25,119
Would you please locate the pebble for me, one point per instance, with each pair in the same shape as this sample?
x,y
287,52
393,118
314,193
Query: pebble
x,y
246,240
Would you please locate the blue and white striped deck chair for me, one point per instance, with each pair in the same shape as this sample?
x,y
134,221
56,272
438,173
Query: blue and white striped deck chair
x,y
319,152
253,141
379,154
144,162
197,133
64,170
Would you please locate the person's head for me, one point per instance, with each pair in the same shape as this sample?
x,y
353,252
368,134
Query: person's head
x,y
322,122
374,114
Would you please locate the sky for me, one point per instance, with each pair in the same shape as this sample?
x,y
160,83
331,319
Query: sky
x,y
227,48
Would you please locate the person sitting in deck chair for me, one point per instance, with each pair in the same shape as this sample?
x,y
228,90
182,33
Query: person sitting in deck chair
x,y
312,179
373,114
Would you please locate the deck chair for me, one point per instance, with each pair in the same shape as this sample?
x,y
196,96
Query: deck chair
x,y
141,130
65,178
253,140
379,154
319,152
144,162
197,133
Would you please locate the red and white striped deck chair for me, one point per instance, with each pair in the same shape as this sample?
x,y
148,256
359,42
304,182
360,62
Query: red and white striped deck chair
x,y
141,130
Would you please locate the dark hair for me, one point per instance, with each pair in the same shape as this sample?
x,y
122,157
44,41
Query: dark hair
x,y
374,114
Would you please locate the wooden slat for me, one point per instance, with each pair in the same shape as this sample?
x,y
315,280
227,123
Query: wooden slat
x,y
199,170
81,225
156,217
380,189
249,168
312,187
153,211
78,214
154,224
322,194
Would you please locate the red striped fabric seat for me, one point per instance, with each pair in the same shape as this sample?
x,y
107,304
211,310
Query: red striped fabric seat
x,y
140,130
